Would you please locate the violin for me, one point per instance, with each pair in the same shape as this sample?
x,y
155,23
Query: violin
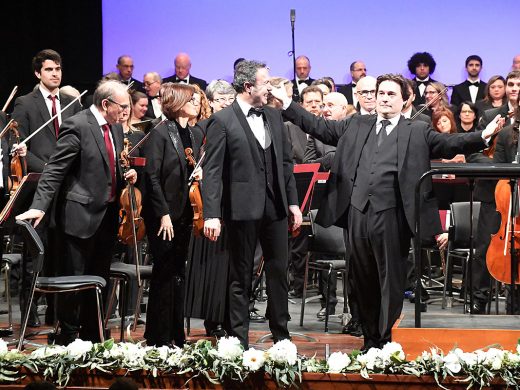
x,y
498,257
195,195
18,164
131,224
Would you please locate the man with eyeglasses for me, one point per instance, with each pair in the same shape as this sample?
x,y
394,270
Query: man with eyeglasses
x,y
152,84
371,193
87,178
249,183
366,94
358,70
125,68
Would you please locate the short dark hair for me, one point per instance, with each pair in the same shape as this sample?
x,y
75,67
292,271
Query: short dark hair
x,y
245,72
514,74
42,56
309,89
472,107
421,58
473,57
396,78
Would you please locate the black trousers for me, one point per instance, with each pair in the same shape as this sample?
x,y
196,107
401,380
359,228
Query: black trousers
x,y
165,311
242,239
77,312
380,242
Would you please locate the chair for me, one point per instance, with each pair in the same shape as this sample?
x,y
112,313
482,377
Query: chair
x,y
459,244
324,241
8,261
58,284
122,274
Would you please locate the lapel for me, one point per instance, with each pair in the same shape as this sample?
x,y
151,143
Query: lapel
x,y
248,132
175,137
117,136
44,112
365,127
404,130
269,128
64,100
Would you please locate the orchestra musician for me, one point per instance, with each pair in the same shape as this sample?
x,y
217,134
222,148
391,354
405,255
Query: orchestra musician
x,y
86,174
167,212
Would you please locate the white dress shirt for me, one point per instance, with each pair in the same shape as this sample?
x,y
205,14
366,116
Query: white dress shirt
x,y
48,102
256,123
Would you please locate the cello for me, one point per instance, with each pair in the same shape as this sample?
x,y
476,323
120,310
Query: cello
x,y
194,193
502,254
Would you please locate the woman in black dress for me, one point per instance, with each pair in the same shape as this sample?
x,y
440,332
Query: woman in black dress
x,y
167,212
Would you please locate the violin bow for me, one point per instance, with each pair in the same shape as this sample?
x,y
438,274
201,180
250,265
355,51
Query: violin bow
x,y
11,96
435,99
142,140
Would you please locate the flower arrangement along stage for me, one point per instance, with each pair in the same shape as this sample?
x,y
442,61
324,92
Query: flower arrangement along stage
x,y
227,361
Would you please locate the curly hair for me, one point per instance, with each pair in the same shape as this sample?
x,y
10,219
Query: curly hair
x,y
205,109
421,58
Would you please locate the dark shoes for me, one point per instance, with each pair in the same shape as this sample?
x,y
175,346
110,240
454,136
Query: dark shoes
x,y
424,295
353,328
294,294
216,331
322,313
477,308
255,317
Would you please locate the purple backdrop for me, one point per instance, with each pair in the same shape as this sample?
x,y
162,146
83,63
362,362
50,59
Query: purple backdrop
x,y
332,33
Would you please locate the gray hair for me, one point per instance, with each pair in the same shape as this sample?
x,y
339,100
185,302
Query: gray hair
x,y
106,89
245,72
155,75
219,86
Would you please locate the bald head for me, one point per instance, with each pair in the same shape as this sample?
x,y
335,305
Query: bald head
x,y
182,65
516,62
303,67
335,106
366,93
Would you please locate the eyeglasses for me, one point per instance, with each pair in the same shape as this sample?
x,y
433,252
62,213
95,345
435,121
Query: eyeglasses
x,y
365,93
147,84
230,99
122,106
194,101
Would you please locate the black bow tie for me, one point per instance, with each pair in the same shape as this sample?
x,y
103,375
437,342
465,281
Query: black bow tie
x,y
476,83
152,97
255,111
178,80
419,82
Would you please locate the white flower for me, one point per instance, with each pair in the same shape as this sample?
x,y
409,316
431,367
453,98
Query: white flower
x,y
3,347
392,349
47,351
283,352
78,348
451,362
338,361
470,358
174,360
371,359
253,359
229,348
163,352
518,348
494,358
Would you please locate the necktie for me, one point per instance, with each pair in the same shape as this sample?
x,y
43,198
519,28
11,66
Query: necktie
x,y
152,97
419,82
53,112
111,158
255,111
178,80
382,132
475,84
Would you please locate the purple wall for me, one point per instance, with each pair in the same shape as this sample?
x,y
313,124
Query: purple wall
x,y
331,33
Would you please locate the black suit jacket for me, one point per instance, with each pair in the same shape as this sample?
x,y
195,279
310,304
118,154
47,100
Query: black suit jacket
x,y
505,151
136,86
347,91
166,172
233,172
421,117
149,111
298,141
490,114
417,144
418,98
296,93
30,111
317,152
461,93
79,170
193,80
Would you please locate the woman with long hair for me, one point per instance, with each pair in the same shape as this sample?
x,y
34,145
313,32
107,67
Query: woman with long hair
x,y
168,213
495,94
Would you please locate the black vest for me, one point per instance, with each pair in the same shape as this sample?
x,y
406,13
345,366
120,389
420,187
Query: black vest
x,y
376,175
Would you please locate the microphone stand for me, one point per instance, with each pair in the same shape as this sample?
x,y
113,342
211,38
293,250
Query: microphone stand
x,y
293,53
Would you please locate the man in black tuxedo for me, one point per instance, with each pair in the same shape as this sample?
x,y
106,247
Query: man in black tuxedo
x,y
371,193
34,109
152,84
31,111
86,174
409,111
473,88
182,72
303,69
248,182
125,67
422,65
358,70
